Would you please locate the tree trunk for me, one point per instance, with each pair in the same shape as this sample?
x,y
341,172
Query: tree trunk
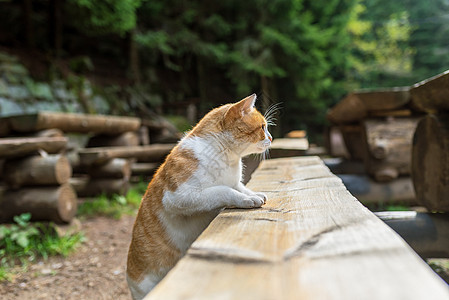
x,y
430,162
27,11
57,204
115,168
69,122
17,147
55,26
37,170
133,54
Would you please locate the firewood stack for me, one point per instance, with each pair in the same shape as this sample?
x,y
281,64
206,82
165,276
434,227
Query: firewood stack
x,y
35,175
400,131
377,128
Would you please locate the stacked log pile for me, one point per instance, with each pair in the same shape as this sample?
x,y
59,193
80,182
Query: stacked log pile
x,y
377,129
37,162
36,177
400,132
430,156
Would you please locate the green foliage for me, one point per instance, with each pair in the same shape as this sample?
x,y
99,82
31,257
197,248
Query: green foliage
x,y
381,54
114,206
24,242
297,47
103,16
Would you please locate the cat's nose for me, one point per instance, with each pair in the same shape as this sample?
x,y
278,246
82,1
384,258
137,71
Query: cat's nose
x,y
270,137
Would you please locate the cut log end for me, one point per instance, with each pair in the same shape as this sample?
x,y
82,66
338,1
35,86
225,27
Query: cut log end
x,y
430,162
57,204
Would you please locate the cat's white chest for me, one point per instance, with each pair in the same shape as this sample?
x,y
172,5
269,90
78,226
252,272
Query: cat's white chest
x,y
214,165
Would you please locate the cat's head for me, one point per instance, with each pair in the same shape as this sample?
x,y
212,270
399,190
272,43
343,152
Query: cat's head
x,y
248,126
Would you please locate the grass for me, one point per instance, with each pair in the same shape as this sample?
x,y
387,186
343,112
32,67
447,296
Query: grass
x,y
24,242
114,206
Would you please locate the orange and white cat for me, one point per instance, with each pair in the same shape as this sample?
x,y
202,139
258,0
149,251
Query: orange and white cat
x,y
201,176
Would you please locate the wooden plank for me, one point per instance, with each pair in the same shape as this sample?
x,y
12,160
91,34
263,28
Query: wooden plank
x,y
100,155
287,147
312,240
431,95
70,122
17,147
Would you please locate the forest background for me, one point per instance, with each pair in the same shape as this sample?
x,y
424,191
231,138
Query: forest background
x,y
160,56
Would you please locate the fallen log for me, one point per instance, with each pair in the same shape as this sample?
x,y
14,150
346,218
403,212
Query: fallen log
x,y
92,187
389,147
115,168
144,168
70,122
57,204
360,104
349,109
335,143
353,137
37,170
17,147
430,162
129,138
150,153
431,95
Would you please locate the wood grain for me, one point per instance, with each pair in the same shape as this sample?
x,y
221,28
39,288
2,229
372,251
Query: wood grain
x,y
312,240
287,147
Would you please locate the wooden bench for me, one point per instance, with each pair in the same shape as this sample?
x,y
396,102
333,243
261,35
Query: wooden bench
x,y
312,240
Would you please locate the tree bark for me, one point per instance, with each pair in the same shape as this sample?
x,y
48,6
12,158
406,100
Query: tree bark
x,y
353,137
115,168
389,147
57,204
17,147
430,162
129,138
69,122
150,153
37,170
431,95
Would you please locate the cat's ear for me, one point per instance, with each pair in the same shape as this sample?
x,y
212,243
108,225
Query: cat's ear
x,y
246,105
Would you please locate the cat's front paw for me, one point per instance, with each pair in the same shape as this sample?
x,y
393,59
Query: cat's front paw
x,y
263,196
250,202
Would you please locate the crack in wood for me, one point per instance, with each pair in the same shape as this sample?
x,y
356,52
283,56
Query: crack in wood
x,y
221,256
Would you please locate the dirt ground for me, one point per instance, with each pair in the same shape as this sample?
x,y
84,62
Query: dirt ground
x,y
96,270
